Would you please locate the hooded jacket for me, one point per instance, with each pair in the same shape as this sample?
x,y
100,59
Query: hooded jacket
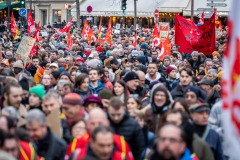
x,y
98,88
152,113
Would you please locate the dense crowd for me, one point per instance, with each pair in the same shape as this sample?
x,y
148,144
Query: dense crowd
x,y
110,100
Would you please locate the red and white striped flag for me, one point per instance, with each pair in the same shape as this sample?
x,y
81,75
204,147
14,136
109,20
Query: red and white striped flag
x,y
201,20
231,84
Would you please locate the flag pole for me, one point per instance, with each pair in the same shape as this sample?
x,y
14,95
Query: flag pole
x,y
192,9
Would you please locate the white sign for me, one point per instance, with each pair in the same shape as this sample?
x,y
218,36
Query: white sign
x,y
205,9
116,31
216,4
118,26
44,34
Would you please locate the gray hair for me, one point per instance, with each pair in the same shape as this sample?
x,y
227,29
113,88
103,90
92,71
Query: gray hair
x,y
35,115
51,93
12,111
195,53
213,72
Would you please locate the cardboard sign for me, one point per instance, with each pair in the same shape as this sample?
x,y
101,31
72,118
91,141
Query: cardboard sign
x,y
164,30
54,122
25,47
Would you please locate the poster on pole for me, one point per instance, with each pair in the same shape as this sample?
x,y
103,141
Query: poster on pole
x,y
25,47
164,30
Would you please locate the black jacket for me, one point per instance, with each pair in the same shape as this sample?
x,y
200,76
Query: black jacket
x,y
177,92
214,98
32,69
132,132
51,147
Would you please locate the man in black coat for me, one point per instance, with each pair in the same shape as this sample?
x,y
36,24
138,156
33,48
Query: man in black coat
x,y
48,145
34,65
124,125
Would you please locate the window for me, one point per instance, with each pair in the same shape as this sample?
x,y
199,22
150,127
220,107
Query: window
x,y
57,15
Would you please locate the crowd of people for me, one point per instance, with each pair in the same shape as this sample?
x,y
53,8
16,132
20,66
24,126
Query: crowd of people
x,y
110,100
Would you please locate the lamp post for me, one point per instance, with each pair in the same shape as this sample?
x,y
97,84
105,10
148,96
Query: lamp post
x,y
192,9
135,14
8,2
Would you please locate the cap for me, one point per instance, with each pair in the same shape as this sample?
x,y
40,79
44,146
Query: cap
x,y
206,82
5,61
166,57
72,99
169,69
192,88
93,99
53,65
99,49
38,90
130,76
18,64
199,107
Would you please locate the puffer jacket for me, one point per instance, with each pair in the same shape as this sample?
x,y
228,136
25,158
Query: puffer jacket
x,y
132,132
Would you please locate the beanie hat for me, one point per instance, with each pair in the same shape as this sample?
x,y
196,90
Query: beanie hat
x,y
194,89
169,69
93,99
18,64
105,94
166,57
38,90
93,63
108,54
83,69
24,84
72,99
142,59
66,74
130,76
99,49
144,46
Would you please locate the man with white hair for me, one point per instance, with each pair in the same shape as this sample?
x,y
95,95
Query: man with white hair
x,y
49,146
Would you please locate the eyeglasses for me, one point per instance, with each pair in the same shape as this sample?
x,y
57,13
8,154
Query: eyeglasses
x,y
45,78
79,128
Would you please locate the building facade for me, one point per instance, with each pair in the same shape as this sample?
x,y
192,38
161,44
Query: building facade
x,y
49,11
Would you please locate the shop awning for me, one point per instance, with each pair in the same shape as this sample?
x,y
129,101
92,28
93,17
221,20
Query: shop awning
x,y
221,11
144,7
15,4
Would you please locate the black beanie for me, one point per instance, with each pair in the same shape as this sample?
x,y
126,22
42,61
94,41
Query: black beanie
x,y
56,74
66,74
24,84
130,76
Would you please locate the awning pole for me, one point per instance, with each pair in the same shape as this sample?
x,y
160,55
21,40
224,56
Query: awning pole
x,y
192,9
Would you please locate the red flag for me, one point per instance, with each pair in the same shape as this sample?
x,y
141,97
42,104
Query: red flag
x,y
201,20
69,40
91,36
31,24
166,49
191,37
100,29
215,12
155,37
231,85
14,28
35,34
108,37
85,30
67,27
135,40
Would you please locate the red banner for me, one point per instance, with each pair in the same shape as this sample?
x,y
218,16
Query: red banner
x,y
155,37
166,49
31,24
14,28
192,38
109,31
201,20
67,27
85,30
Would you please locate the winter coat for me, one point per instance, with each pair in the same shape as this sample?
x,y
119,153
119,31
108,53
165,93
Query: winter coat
x,y
32,69
132,133
98,88
214,98
51,147
177,92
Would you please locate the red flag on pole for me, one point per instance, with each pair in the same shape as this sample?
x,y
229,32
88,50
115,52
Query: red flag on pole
x,y
31,24
67,27
109,31
201,20
231,85
85,30
166,49
13,27
155,37
69,40
100,29
35,47
91,36
191,37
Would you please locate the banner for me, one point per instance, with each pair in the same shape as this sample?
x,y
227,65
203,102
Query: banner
x,y
67,27
164,30
231,85
13,27
155,37
201,20
25,47
166,49
85,30
108,37
91,36
31,24
193,38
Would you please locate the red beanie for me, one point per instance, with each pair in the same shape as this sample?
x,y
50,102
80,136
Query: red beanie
x,y
99,49
169,69
72,99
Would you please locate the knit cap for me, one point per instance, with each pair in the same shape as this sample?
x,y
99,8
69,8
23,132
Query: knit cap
x,y
38,90
72,99
18,64
93,99
66,74
130,76
93,63
141,59
166,57
105,94
169,69
194,89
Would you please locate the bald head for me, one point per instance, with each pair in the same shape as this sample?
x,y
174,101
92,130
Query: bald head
x,y
97,117
141,76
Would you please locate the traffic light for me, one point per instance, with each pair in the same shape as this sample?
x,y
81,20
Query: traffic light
x,y
124,5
